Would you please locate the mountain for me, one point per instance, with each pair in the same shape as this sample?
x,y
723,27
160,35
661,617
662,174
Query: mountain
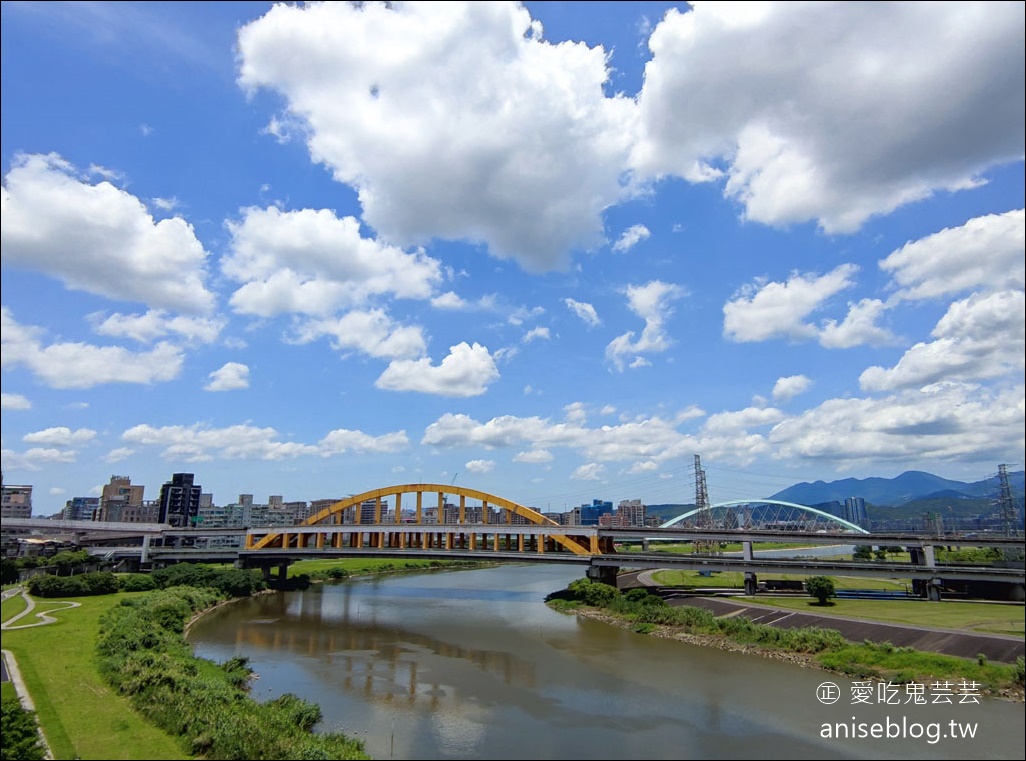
x,y
909,486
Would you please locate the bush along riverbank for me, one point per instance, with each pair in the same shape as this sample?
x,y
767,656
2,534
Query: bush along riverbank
x,y
143,654
646,613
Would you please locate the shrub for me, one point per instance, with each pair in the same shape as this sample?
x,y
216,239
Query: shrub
x,y
20,733
820,587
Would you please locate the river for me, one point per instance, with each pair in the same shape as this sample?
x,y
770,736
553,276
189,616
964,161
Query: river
x,y
471,664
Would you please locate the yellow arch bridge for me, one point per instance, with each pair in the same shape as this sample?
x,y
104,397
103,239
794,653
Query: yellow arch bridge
x,y
479,521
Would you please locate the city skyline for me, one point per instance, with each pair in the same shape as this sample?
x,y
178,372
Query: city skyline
x,y
550,251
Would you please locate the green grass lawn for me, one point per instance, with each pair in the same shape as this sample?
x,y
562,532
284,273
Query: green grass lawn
x,y
80,716
355,566
11,607
995,617
736,580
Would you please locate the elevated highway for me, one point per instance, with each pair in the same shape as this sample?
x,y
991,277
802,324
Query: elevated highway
x,y
482,526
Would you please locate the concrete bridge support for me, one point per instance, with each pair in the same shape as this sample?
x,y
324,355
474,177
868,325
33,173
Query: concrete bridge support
x,y
605,574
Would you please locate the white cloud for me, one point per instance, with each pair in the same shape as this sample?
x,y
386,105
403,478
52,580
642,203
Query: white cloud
x,y
777,310
99,239
631,237
198,443
466,371
56,491
575,413
448,300
651,303
61,436
943,422
36,458
835,112
343,441
156,323
593,471
480,466
789,387
118,454
985,252
585,311
313,262
14,402
858,328
535,333
79,365
231,376
370,332
978,338
534,456
648,466
392,101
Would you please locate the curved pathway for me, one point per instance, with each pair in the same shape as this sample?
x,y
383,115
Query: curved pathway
x,y
1001,648
10,665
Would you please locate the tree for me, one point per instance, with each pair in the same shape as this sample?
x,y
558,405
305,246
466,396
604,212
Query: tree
x,y
820,587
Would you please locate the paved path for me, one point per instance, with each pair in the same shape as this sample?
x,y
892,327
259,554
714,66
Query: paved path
x,y
1000,648
10,665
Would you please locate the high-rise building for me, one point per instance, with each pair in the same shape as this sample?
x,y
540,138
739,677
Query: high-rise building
x,y
16,502
855,511
180,501
80,508
118,498
630,512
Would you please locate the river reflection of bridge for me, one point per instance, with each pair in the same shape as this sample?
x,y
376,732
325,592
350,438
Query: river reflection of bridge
x,y
351,640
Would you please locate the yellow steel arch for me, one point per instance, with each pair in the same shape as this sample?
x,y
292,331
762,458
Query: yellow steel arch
x,y
577,546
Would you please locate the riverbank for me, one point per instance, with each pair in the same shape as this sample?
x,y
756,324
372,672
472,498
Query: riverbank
x,y
851,669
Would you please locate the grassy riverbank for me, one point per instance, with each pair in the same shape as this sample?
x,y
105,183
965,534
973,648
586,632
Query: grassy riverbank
x,y
645,613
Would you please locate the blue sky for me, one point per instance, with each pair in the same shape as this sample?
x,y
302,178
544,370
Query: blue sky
x,y
548,250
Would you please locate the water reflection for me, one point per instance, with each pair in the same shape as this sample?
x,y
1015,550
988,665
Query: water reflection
x,y
474,665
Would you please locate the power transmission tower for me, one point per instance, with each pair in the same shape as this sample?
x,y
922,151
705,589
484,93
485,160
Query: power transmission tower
x,y
704,516
1009,515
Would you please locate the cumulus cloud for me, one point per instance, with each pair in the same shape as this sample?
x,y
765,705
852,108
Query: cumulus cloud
x,y
343,441
651,302
834,113
942,422
61,436
231,376
390,99
980,337
583,310
480,466
858,328
537,456
36,458
984,253
371,332
313,262
631,237
14,402
448,300
199,443
536,333
592,471
789,387
778,310
80,365
118,454
156,323
99,238
466,371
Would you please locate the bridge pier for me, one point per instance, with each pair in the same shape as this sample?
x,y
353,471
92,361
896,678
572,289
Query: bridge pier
x,y
604,574
751,583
